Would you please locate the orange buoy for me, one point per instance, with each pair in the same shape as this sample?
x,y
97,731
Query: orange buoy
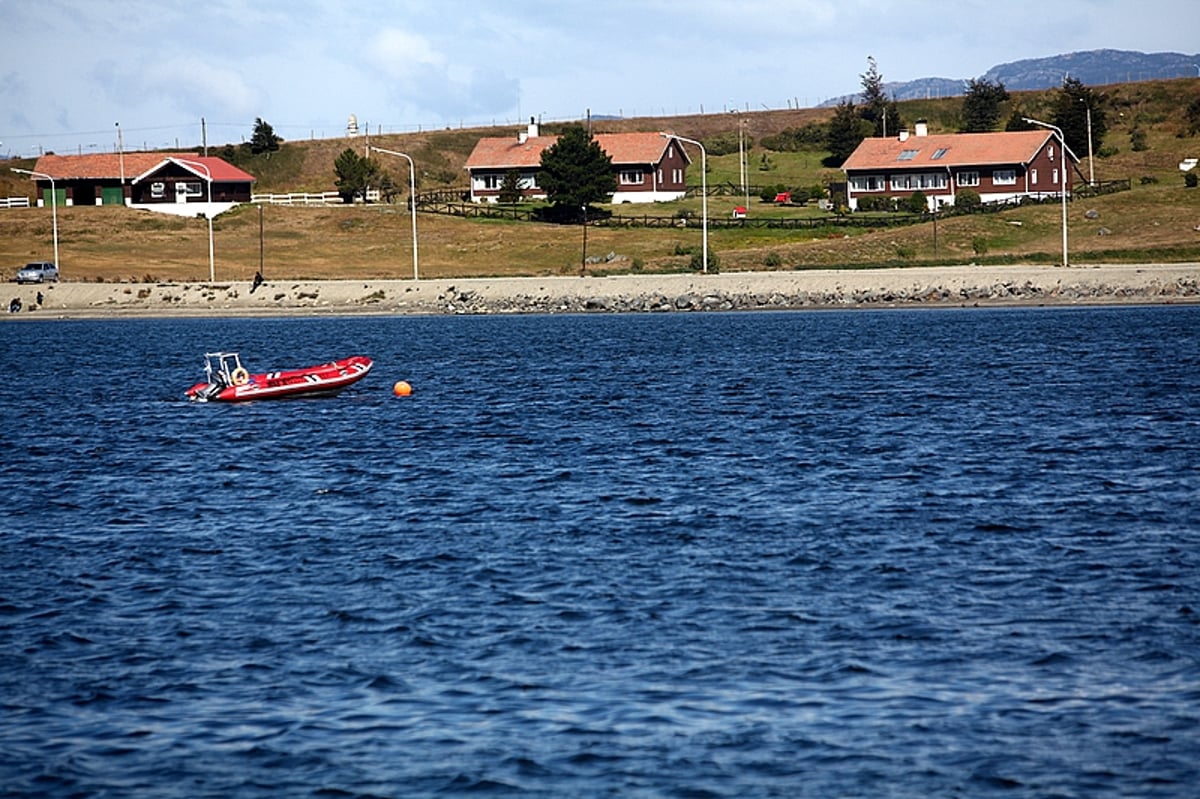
x,y
402,389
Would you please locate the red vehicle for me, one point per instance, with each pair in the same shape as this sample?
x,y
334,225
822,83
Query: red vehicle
x,y
226,380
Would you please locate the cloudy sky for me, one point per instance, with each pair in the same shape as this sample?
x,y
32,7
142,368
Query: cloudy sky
x,y
73,70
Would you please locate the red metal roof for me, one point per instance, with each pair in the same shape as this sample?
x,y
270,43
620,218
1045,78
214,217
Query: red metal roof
x,y
108,166
948,150
511,153
221,171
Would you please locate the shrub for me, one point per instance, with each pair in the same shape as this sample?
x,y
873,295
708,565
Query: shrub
x,y
968,200
697,262
875,203
979,245
916,203
1137,140
768,193
1189,180
905,251
810,137
773,260
723,144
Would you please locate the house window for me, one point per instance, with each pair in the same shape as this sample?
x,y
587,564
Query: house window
x,y
1056,177
191,188
1004,177
968,178
677,176
1050,152
867,183
919,180
1033,176
671,151
907,155
632,177
660,180
488,182
158,190
938,153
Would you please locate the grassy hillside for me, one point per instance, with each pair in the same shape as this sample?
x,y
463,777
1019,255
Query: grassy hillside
x,y
1156,221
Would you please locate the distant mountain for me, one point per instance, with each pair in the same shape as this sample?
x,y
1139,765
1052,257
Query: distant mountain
x,y
1091,67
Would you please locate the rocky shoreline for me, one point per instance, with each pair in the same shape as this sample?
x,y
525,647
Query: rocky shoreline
x,y
867,288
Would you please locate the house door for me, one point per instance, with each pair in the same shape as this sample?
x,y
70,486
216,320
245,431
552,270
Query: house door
x,y
111,195
181,192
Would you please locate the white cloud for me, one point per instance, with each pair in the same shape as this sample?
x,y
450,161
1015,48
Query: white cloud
x,y
402,55
182,82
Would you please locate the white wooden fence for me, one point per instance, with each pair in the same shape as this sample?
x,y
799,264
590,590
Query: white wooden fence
x,y
308,198
14,202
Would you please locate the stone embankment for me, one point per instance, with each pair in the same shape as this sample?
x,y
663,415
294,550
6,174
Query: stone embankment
x,y
743,291
465,300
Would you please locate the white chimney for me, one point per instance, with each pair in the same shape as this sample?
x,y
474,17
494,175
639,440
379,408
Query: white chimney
x,y
904,134
529,133
922,128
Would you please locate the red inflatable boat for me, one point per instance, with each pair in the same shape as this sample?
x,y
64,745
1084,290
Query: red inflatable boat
x,y
226,380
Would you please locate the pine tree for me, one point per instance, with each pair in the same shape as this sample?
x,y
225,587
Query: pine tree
x,y
510,188
883,114
982,106
354,173
575,171
1071,110
846,131
263,140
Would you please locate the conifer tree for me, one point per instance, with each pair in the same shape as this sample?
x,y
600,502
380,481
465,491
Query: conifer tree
x,y
575,172
982,105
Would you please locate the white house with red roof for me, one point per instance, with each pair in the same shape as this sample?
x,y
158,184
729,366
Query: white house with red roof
x,y
1000,167
649,167
175,183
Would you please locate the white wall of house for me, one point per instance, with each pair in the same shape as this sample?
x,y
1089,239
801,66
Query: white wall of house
x,y
646,196
208,210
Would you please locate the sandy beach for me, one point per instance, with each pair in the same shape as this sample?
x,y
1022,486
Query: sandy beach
x,y
942,286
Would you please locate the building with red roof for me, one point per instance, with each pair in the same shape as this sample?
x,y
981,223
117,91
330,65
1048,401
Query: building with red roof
x,y
166,182
1000,167
649,167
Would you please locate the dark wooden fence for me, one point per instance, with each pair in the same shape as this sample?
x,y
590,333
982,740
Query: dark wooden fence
x,y
455,202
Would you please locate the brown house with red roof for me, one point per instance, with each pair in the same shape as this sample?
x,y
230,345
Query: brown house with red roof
x,y
1000,167
649,167
167,182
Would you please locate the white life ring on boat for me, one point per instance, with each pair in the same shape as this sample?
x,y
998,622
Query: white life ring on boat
x,y
240,376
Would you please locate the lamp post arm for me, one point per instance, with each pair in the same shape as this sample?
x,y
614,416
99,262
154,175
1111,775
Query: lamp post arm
x,y
703,192
53,205
212,271
412,195
1062,141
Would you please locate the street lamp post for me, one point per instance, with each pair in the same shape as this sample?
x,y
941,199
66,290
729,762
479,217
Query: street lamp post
x,y
53,205
742,157
1062,146
412,196
208,213
1091,158
703,191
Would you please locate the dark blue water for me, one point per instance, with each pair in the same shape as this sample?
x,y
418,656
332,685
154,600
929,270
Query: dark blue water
x,y
910,554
